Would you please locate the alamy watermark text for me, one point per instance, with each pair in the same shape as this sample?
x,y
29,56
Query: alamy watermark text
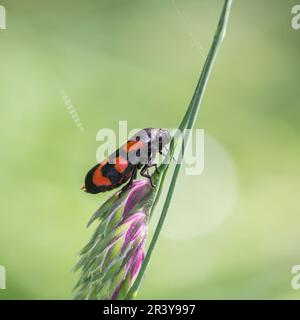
x,y
296,17
2,278
2,18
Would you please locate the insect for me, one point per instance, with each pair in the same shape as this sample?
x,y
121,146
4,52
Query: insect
x,y
138,153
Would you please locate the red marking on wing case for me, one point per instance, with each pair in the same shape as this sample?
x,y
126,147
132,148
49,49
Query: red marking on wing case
x,y
98,178
132,145
121,164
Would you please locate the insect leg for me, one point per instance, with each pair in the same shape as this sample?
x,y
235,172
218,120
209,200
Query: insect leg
x,y
133,177
155,166
150,164
144,174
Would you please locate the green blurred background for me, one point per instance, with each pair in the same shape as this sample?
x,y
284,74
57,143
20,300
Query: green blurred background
x,y
139,61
